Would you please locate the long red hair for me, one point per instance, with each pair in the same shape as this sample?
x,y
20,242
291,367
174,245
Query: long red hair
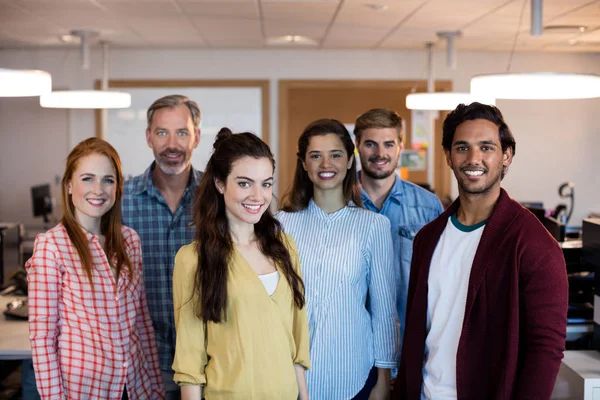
x,y
110,225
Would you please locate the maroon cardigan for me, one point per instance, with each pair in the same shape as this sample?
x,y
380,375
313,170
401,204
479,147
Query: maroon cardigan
x,y
514,330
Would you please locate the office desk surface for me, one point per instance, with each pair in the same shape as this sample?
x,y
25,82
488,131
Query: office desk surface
x,y
14,335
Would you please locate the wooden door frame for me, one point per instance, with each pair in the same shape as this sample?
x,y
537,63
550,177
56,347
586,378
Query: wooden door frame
x,y
285,85
262,84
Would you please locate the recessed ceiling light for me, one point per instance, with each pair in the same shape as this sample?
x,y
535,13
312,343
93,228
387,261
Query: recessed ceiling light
x,y
376,6
291,40
67,38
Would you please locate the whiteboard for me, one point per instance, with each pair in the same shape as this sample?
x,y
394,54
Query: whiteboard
x,y
238,108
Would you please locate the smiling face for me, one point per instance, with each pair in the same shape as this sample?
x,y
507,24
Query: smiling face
x,y
379,150
93,189
248,190
327,162
476,157
173,137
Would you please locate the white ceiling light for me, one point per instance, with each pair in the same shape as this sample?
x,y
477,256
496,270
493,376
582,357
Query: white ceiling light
x,y
291,40
535,85
88,99
24,83
442,101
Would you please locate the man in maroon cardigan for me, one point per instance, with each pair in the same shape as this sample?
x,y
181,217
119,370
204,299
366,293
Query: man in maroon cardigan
x,y
487,298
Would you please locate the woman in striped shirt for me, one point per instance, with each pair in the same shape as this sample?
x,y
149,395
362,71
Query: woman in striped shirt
x,y
90,330
346,254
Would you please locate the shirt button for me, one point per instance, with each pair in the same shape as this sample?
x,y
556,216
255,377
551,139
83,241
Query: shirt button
x,y
116,298
125,365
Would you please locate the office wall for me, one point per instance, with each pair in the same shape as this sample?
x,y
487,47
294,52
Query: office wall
x,y
556,140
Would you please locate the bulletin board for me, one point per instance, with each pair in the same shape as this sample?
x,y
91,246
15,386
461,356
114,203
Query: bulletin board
x,y
241,106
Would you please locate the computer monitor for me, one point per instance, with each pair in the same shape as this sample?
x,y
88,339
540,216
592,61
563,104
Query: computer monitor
x,y
11,254
41,199
556,228
539,212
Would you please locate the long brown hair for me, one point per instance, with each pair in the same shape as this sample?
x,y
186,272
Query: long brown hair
x,y
214,244
110,225
302,190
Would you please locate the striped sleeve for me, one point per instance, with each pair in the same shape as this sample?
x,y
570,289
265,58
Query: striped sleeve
x,y
382,296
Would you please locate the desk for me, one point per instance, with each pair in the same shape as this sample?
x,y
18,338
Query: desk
x,y
579,376
14,335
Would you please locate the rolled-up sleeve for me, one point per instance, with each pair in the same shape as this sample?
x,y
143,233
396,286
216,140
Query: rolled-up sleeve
x,y
300,328
44,287
190,350
382,296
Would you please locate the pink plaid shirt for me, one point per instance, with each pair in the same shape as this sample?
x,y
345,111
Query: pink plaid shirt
x,y
89,345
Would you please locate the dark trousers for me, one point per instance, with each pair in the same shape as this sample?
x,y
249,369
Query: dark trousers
x,y
125,397
369,385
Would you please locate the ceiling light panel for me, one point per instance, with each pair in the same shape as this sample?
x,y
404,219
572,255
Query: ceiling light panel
x,y
357,14
222,10
308,12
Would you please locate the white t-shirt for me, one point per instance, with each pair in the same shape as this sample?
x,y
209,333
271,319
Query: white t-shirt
x,y
446,300
270,281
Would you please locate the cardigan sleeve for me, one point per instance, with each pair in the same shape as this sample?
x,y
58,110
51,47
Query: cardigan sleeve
x,y
544,291
190,349
300,328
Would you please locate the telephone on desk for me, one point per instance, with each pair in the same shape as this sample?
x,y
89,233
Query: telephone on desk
x,y
17,286
18,309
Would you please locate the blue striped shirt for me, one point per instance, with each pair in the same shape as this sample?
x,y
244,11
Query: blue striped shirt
x,y
346,256
162,234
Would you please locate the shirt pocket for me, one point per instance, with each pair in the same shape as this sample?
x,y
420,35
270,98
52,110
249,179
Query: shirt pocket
x,y
406,236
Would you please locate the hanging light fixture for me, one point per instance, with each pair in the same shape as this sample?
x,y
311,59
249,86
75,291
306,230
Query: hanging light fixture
x,y
440,101
535,85
24,83
88,99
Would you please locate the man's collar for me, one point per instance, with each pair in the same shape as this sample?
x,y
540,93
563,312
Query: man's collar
x,y
146,184
395,193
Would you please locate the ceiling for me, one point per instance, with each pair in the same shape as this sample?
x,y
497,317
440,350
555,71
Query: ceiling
x,y
486,25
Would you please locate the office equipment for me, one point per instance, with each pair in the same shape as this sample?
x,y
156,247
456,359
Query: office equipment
x,y
18,309
565,191
591,256
14,336
11,255
41,200
539,212
556,228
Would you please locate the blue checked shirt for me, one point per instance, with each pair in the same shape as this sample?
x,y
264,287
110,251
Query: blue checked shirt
x,y
162,234
408,207
346,256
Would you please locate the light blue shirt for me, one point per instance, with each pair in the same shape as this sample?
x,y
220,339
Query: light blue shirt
x,y
408,207
346,257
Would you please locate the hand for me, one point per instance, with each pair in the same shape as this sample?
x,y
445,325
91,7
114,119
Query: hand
x,y
381,391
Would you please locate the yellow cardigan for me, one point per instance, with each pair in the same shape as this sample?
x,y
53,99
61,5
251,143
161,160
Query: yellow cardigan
x,y
252,354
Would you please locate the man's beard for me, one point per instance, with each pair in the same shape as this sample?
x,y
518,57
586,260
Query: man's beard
x,y
377,174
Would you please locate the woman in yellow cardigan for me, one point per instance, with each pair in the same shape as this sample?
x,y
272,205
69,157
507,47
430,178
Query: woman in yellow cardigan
x,y
242,331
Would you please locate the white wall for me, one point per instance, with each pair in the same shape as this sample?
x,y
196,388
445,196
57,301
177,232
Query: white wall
x,y
556,140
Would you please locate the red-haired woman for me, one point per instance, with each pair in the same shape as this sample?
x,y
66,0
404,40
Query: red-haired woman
x,y
89,327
